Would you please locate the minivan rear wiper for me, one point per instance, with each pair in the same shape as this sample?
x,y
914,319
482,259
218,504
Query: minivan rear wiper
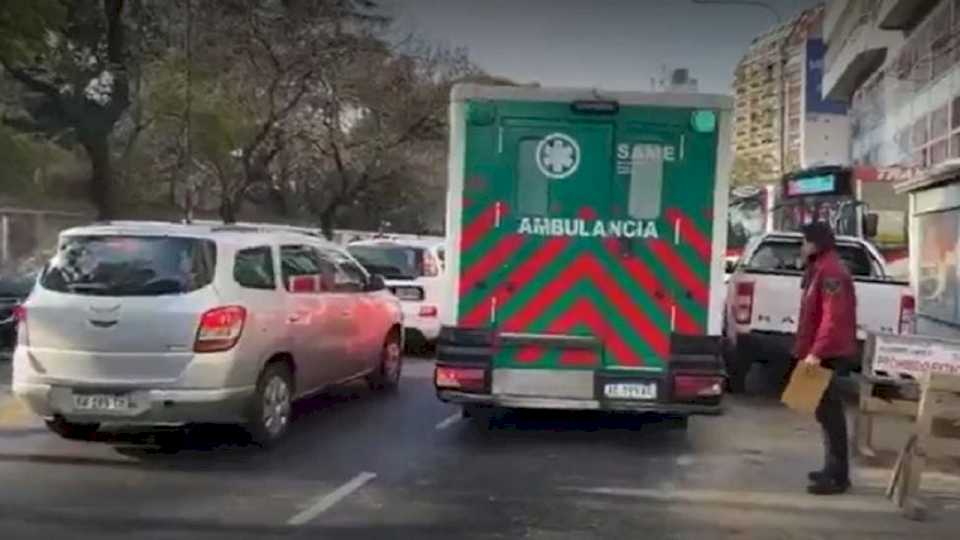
x,y
98,288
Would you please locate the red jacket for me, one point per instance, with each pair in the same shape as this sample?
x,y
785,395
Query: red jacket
x,y
828,310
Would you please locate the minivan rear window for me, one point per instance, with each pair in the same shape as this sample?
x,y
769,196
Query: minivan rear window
x,y
116,265
390,261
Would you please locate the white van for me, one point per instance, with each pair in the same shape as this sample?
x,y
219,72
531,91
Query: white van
x,y
414,272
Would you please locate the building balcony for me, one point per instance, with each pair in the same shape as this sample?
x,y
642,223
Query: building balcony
x,y
904,14
856,48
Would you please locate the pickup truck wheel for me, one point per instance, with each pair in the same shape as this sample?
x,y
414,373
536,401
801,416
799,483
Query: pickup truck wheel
x,y
738,367
72,431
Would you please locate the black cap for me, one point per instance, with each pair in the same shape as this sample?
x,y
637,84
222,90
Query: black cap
x,y
819,234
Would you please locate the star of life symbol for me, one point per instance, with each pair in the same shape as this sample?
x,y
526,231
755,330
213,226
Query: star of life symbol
x,y
558,156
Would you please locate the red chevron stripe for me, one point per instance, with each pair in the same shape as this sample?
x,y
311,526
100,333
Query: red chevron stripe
x,y
520,276
690,233
586,312
686,324
638,270
490,262
586,266
480,226
530,354
580,358
680,270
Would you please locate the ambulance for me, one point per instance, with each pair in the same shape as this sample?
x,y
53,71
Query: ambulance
x,y
586,234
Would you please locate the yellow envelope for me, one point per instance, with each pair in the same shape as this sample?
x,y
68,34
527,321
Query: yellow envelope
x,y
807,385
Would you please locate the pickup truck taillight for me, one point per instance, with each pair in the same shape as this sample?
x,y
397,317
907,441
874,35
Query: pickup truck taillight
x,y
743,303
908,306
220,329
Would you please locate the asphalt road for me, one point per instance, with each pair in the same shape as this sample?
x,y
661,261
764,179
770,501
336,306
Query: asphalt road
x,y
365,465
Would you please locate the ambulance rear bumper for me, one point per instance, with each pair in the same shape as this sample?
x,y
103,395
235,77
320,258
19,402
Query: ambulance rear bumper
x,y
527,402
689,382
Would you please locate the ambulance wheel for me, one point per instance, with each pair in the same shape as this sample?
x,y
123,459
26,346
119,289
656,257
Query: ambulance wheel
x,y
679,422
480,417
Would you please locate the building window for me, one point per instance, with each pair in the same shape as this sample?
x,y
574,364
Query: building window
x,y
940,41
940,123
938,152
955,124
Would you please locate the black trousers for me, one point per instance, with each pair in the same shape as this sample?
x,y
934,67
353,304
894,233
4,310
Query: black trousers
x,y
833,422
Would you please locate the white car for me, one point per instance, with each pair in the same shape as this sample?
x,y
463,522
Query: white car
x,y
157,323
414,272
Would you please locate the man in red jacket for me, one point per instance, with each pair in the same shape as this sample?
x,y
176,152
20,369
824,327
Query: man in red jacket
x,y
827,336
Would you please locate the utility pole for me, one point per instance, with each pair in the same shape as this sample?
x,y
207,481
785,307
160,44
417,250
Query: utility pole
x,y
188,196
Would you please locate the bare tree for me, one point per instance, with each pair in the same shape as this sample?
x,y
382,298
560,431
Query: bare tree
x,y
78,83
374,114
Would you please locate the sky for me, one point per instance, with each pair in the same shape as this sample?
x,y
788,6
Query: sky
x,y
610,44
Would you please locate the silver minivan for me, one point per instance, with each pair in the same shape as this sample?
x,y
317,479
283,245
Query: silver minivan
x,y
158,324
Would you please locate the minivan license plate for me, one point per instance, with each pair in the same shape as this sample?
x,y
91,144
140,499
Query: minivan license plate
x,y
101,402
645,391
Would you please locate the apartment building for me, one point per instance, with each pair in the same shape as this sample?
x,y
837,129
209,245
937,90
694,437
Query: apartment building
x,y
782,122
897,62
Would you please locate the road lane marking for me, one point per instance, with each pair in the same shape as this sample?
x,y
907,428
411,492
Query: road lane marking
x,y
330,500
864,502
448,421
13,412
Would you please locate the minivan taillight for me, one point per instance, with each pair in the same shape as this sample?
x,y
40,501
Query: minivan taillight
x,y
19,314
743,303
908,307
220,329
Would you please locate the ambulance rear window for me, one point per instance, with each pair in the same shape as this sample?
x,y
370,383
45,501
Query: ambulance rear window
x,y
533,188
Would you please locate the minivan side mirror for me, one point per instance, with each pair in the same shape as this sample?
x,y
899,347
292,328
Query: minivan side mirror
x,y
308,284
871,225
376,283
730,266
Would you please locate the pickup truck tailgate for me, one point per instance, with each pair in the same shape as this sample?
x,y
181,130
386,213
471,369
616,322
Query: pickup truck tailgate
x,y
776,303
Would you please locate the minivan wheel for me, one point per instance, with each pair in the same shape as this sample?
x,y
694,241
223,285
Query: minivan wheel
x,y
387,375
70,430
273,405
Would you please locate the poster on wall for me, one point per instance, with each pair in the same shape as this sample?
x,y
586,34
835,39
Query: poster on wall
x,y
816,50
746,216
937,266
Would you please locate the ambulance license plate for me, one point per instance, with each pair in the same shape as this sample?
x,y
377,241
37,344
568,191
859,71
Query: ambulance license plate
x,y
639,391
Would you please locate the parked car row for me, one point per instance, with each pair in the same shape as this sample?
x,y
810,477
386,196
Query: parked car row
x,y
157,323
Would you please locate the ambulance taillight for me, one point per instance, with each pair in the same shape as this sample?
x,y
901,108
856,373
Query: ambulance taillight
x,y
464,379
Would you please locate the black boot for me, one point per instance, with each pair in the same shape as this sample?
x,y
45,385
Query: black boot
x,y
828,486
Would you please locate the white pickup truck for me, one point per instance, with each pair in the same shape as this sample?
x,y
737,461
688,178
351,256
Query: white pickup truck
x,y
763,300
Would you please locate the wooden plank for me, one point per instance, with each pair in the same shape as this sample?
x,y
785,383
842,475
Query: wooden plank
x,y
941,382
878,406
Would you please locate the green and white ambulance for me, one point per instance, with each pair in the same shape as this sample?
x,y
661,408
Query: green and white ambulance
x,y
586,234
